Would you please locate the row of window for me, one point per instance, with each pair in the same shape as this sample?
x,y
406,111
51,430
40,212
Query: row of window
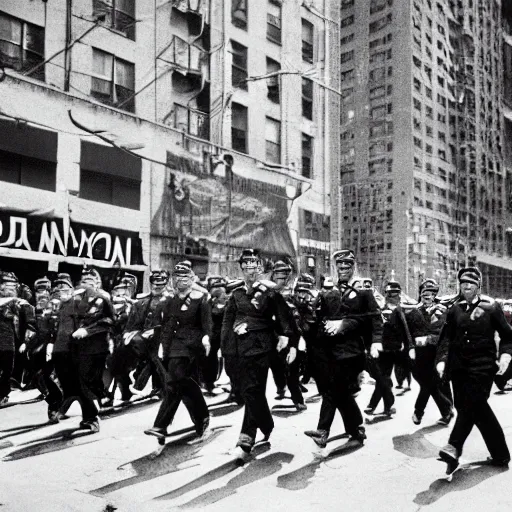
x,y
240,19
240,139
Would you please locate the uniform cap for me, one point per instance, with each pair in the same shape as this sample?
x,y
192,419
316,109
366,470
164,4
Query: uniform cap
x,y
280,267
63,278
345,255
181,270
304,282
215,282
233,284
8,277
249,254
42,284
429,285
393,286
470,275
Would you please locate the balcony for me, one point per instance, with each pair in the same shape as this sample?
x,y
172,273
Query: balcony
x,y
184,55
190,121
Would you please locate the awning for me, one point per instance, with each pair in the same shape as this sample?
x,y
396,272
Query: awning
x,y
26,140
109,160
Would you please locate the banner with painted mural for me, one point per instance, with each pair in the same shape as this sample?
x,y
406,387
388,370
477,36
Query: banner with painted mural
x,y
243,213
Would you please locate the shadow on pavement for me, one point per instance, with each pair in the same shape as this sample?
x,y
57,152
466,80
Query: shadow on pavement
x,y
416,445
223,410
148,467
121,410
52,443
465,478
22,429
254,471
301,478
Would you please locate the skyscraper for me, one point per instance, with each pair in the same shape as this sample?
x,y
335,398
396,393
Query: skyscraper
x,y
422,184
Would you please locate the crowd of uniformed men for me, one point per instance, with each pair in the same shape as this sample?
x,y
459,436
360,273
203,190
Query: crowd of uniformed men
x,y
82,343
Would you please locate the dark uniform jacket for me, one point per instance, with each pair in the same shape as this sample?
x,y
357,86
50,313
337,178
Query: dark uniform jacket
x,y
17,319
266,315
146,313
305,315
467,340
395,335
46,323
184,323
427,322
90,310
363,317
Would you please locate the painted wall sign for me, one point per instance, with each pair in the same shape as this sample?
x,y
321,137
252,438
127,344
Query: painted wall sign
x,y
56,236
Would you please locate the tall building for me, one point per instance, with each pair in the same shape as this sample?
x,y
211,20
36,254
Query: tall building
x,y
422,184
136,134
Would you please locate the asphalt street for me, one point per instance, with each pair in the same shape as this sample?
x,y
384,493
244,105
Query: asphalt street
x,y
51,468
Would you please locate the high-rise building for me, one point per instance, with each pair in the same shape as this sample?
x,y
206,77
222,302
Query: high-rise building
x,y
173,129
422,184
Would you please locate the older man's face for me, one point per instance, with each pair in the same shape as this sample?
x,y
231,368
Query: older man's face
x,y
345,270
469,290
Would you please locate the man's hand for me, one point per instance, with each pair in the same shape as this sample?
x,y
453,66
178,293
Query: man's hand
x,y
128,336
333,327
49,351
206,344
440,367
241,329
80,333
111,345
292,354
282,343
412,354
23,348
148,333
421,341
375,349
504,362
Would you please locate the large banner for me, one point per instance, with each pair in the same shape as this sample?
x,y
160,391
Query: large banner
x,y
243,213
32,232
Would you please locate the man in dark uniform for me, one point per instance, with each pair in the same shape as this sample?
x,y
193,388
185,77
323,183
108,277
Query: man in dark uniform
x,y
395,347
281,276
257,315
86,320
185,336
16,318
467,353
139,331
349,320
425,324
46,314
216,286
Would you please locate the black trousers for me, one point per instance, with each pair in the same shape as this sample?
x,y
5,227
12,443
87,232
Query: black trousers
x,y
253,372
181,386
343,383
123,362
6,367
278,368
67,373
210,364
471,392
90,373
45,383
381,370
232,367
424,371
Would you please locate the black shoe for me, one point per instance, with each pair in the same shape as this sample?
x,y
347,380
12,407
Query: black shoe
x,y
449,454
319,437
280,394
445,420
390,411
92,425
399,386
160,433
502,463
416,418
53,417
303,388
359,436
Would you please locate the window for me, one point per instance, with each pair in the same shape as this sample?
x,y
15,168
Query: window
x,y
109,189
27,171
113,80
345,4
377,74
346,39
428,149
417,85
347,75
417,142
274,23
239,13
307,99
272,140
21,45
307,156
441,100
440,29
441,118
347,56
378,112
239,66
441,136
308,31
377,92
429,112
428,131
239,128
191,121
428,92
380,23
379,5
273,81
347,21
119,15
